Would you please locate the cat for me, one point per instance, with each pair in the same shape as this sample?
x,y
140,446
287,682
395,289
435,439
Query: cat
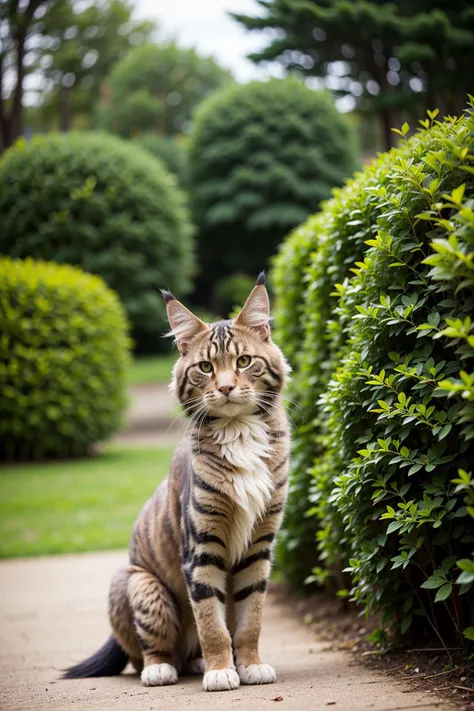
x,y
191,599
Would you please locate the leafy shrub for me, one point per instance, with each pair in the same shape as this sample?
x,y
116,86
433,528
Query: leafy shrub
x,y
167,150
63,360
261,158
383,370
157,87
105,205
315,256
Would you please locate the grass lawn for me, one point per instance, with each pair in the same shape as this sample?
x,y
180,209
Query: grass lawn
x,y
81,505
151,369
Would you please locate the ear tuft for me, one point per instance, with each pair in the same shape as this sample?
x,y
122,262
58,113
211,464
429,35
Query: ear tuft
x,y
167,296
261,279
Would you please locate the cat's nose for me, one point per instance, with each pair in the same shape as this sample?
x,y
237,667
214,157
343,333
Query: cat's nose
x,y
226,389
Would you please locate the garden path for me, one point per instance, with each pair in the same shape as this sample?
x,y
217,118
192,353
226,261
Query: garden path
x,y
151,417
53,612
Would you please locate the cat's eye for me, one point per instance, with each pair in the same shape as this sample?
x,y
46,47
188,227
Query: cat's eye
x,y
205,366
243,361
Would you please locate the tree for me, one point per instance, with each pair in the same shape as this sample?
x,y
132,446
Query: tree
x,y
382,57
69,46
156,88
81,48
261,158
20,26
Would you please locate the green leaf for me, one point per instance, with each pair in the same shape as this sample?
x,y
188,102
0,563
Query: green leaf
x,y
405,624
444,592
465,578
433,582
445,431
394,526
466,564
457,194
469,633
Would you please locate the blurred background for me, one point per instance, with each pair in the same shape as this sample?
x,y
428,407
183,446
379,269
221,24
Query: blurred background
x,y
254,110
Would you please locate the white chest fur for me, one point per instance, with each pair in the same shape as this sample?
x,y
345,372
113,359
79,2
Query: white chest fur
x,y
244,443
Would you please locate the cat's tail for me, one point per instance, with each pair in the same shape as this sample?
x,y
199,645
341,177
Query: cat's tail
x,y
110,660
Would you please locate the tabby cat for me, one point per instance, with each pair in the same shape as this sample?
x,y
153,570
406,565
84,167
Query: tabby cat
x,y
190,601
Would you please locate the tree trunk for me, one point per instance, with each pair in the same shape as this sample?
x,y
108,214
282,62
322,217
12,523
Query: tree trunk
x,y
3,126
65,109
387,125
16,115
11,123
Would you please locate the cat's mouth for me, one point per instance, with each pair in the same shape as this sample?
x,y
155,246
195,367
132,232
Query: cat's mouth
x,y
230,405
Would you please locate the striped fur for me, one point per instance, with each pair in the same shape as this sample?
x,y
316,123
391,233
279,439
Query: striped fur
x,y
200,553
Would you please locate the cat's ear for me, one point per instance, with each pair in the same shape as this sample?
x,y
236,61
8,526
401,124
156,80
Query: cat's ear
x,y
255,313
184,324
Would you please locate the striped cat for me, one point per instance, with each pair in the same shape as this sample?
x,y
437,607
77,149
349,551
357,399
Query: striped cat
x,y
191,599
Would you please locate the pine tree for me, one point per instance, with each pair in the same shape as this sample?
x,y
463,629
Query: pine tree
x,y
386,57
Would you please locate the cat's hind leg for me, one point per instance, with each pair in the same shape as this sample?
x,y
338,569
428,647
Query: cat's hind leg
x,y
121,618
156,622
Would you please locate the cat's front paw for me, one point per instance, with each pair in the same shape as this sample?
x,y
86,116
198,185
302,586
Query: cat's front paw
x,y
159,675
221,680
256,674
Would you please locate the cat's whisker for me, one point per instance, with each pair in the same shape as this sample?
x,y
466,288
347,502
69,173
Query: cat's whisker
x,y
194,419
291,409
287,411
286,398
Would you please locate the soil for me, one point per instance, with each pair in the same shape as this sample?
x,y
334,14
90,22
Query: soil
x,y
53,613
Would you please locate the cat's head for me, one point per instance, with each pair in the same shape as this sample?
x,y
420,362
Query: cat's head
x,y
230,367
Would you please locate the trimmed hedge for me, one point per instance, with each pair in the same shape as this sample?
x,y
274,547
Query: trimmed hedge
x,y
64,354
262,156
105,205
157,87
383,354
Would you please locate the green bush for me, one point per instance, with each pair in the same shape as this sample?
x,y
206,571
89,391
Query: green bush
x,y
262,156
64,355
106,206
383,354
156,88
168,150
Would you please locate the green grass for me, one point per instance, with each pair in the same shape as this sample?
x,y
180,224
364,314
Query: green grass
x,y
80,505
151,369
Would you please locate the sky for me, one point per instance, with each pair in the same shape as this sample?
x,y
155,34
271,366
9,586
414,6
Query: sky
x,y
205,25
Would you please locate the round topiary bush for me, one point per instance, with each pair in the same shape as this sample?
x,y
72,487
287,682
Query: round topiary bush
x,y
105,205
157,87
64,354
383,357
262,156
